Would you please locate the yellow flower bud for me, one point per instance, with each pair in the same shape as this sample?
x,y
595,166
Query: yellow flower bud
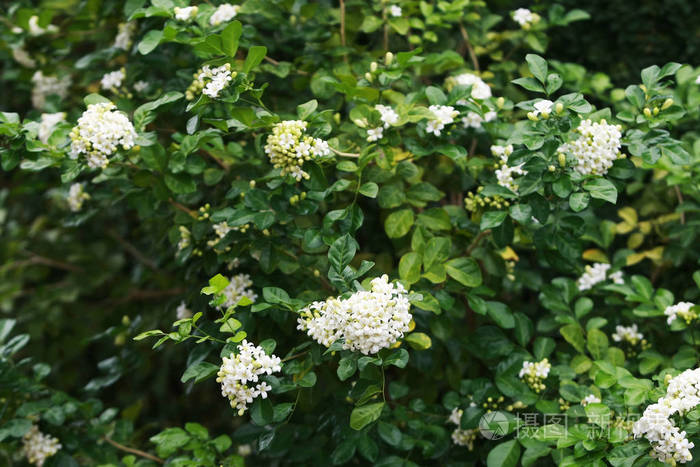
x,y
559,108
388,58
500,102
252,184
647,112
373,67
562,159
368,77
532,116
667,103
551,168
656,110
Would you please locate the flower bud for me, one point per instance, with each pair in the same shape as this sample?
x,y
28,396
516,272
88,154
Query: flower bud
x,y
545,115
252,184
388,58
656,110
667,103
532,116
551,168
562,159
559,108
647,112
368,77
373,67
266,233
500,102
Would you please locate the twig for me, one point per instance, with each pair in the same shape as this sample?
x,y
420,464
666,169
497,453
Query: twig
x,y
680,201
38,259
472,55
291,357
386,29
346,154
183,208
477,239
134,451
342,28
223,164
148,294
277,63
132,250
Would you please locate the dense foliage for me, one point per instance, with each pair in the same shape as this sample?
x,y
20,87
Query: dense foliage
x,y
326,233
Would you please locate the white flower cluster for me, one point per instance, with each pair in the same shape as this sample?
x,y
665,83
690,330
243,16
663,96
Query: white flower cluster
x,y
395,11
525,17
368,321
238,370
534,373
480,90
669,444
36,30
505,173
596,148
38,447
288,147
113,80
76,197
123,37
99,132
210,81
140,85
182,312
459,436
236,289
590,399
388,116
224,13
185,238
45,86
444,115
629,334
375,134
596,274
186,14
474,120
47,125
23,58
683,310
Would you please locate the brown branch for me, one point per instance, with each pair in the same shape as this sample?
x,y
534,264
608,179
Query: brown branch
x,y
386,29
38,259
680,201
134,451
136,295
223,164
132,250
183,208
476,240
342,28
467,43
277,63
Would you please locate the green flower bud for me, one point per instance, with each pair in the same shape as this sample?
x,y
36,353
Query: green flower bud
x,y
667,103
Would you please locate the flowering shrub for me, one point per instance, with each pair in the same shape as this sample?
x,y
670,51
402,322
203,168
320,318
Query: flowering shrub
x,y
389,233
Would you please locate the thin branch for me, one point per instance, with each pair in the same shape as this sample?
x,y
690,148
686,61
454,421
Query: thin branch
x,y
134,451
291,357
680,201
345,154
467,43
38,259
132,250
386,29
476,240
183,208
277,63
342,28
136,295
223,164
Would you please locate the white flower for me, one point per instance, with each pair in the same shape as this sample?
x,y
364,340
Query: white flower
x,y
682,310
590,399
247,366
47,125
505,173
185,238
395,11
628,334
596,148
224,13
211,81
236,289
36,30
23,58
140,86
38,447
374,134
182,312
113,79
697,80
186,14
388,115
668,443
543,106
444,115
617,277
288,147
244,450
99,132
480,90
368,321
534,373
592,276
474,120
45,86
523,16
123,38
456,416
76,197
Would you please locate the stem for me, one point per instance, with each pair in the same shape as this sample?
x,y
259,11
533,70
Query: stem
x,y
292,357
276,63
342,28
476,240
132,250
345,154
386,29
184,209
680,201
467,43
134,451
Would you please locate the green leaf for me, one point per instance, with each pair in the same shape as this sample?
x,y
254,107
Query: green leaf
x,y
95,99
255,56
538,67
216,285
150,41
601,188
597,344
573,333
466,271
399,223
504,455
409,267
437,250
15,428
364,415
341,252
419,340
492,219
579,201
199,371
530,84
435,95
346,368
230,37
598,413
369,189
180,183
